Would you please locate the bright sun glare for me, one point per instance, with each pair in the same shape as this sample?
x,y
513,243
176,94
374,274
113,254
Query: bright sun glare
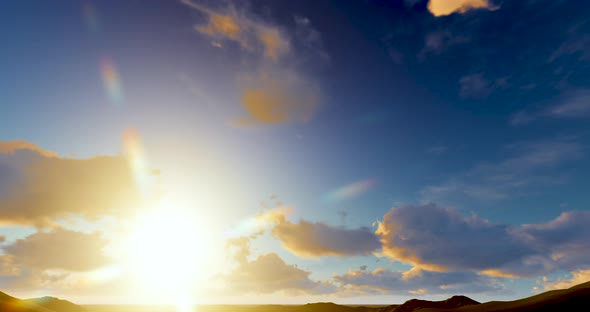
x,y
167,250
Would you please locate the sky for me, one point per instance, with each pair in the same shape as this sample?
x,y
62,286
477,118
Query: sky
x,y
293,151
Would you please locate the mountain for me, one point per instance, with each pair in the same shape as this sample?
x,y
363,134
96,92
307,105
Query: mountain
x,y
56,304
45,304
451,303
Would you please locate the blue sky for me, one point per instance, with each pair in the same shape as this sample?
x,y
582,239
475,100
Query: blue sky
x,y
382,125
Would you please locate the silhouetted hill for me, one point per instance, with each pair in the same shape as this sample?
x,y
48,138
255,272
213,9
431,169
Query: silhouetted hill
x,y
332,307
451,303
45,304
576,298
57,305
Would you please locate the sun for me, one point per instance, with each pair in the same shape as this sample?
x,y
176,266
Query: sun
x,y
167,250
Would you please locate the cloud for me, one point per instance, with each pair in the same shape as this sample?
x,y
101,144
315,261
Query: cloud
x,y
307,239
577,277
415,282
58,249
11,147
440,239
268,273
577,43
576,105
478,87
272,97
38,187
527,164
447,7
572,105
439,41
275,88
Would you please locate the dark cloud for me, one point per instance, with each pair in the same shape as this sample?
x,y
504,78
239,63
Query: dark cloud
x,y
440,239
309,239
40,187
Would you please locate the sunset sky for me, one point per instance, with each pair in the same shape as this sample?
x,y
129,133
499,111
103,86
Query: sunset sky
x,y
187,151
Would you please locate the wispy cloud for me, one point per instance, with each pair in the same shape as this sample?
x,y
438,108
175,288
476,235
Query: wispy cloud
x,y
478,86
439,41
572,105
527,164
275,87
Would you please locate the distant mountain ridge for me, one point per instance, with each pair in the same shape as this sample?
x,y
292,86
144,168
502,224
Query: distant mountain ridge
x,y
451,303
44,304
571,299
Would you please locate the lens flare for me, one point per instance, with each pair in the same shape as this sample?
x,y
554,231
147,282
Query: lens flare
x,y
259,222
144,177
111,81
351,190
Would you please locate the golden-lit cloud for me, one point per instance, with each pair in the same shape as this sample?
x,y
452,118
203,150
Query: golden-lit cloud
x,y
577,277
447,7
308,239
268,273
59,249
221,26
274,86
38,187
278,97
10,147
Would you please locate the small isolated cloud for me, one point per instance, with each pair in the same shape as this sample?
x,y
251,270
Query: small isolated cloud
x,y
277,97
59,249
275,88
439,41
39,187
437,150
447,7
307,239
416,282
440,239
477,86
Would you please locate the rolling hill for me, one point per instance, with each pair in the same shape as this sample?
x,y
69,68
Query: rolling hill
x,y
571,299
